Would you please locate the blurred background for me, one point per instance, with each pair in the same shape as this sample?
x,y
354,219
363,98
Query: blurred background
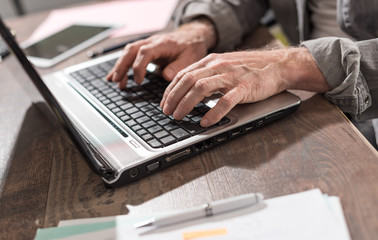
x,y
14,8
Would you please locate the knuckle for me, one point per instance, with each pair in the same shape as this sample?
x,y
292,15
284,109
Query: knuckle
x,y
130,47
188,77
144,50
218,64
227,102
201,86
212,56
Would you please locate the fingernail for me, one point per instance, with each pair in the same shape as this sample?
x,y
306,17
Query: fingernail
x,y
166,109
115,77
168,74
204,122
177,115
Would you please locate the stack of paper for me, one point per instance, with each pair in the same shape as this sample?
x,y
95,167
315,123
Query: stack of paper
x,y
307,215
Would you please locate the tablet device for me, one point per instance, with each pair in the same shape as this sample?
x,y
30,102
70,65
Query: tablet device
x,y
65,43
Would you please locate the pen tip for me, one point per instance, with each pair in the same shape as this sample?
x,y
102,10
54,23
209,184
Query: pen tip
x,y
146,223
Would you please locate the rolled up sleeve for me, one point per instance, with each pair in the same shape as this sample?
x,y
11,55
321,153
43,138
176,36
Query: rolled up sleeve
x,y
351,70
232,19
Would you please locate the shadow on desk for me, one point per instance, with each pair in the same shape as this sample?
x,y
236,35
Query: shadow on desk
x,y
47,179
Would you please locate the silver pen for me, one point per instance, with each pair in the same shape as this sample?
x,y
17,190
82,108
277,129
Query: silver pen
x,y
206,210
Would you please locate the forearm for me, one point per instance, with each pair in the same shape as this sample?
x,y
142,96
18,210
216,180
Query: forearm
x,y
301,71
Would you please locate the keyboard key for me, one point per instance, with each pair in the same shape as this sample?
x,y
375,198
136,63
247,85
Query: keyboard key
x,y
154,129
137,115
192,127
147,137
141,104
168,140
142,132
143,119
130,122
147,108
131,110
159,116
137,127
197,119
124,105
148,124
164,121
161,134
171,126
120,114
180,134
154,143
125,118
116,109
111,105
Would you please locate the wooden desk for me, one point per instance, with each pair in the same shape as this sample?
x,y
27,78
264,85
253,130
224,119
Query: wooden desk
x,y
43,178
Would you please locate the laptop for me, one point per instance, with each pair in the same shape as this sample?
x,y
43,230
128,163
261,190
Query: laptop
x,y
123,135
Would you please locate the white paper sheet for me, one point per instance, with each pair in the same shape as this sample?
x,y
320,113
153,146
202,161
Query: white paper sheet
x,y
298,216
136,17
306,215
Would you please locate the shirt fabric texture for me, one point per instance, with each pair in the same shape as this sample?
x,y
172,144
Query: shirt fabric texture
x,y
350,67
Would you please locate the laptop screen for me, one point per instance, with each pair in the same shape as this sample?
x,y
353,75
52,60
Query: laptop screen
x,y
43,90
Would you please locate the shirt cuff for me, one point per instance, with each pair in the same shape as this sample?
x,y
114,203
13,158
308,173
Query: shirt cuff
x,y
339,61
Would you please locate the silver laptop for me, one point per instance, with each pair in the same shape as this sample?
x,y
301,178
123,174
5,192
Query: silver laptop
x,y
124,135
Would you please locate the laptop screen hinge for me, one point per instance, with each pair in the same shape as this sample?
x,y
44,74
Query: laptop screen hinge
x,y
102,167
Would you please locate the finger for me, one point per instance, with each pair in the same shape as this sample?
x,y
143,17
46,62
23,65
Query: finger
x,y
173,68
149,53
182,87
177,79
223,106
123,83
124,62
202,88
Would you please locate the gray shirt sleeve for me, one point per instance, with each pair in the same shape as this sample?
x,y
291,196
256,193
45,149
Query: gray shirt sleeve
x,y
232,18
351,70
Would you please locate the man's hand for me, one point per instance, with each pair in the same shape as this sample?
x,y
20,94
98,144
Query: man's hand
x,y
175,51
241,77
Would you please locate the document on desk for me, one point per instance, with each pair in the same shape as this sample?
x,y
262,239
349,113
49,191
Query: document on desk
x,y
307,215
135,17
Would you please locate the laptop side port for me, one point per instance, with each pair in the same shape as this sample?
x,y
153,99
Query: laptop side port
x,y
199,147
236,132
250,126
153,166
260,123
208,143
221,138
134,172
178,155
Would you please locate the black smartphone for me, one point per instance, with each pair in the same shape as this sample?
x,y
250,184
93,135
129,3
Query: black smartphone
x,y
65,43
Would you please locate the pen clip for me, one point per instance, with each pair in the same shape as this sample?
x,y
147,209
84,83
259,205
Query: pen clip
x,y
208,209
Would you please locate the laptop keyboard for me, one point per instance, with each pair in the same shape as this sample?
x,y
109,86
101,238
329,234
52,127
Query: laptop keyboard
x,y
138,106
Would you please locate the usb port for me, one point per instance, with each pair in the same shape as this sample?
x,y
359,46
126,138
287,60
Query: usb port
x,y
153,166
221,138
236,132
250,126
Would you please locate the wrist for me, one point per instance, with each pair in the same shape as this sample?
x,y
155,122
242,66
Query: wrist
x,y
203,29
302,72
